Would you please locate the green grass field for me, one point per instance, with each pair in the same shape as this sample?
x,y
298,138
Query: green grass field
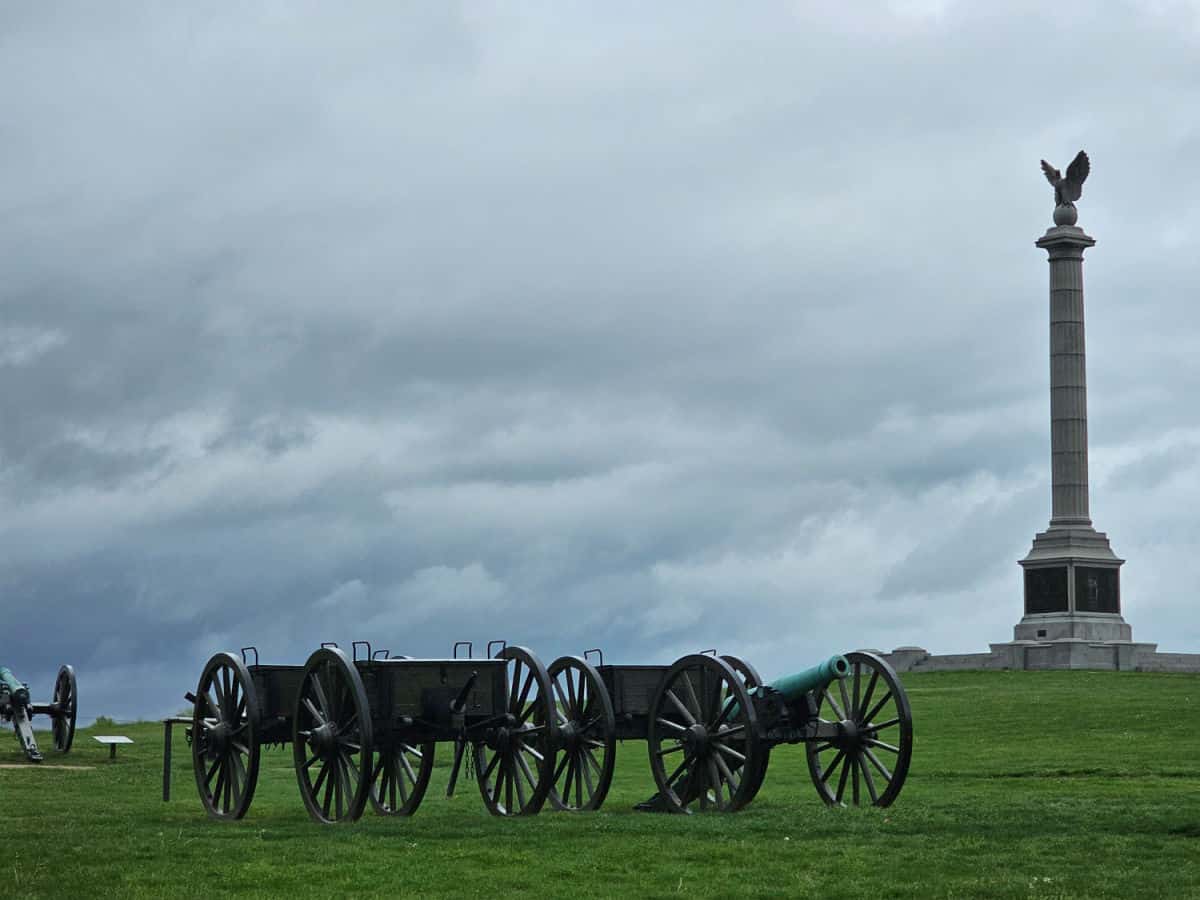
x,y
1023,784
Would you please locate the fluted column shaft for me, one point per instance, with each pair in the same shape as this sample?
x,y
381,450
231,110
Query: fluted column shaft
x,y
1068,378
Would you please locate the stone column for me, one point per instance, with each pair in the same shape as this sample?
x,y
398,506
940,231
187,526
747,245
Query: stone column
x,y
1068,377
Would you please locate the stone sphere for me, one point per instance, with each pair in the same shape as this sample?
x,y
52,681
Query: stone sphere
x,y
1065,215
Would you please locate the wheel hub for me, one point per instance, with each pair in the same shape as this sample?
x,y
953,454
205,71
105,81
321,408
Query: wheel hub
x,y
218,740
501,739
696,739
850,733
323,739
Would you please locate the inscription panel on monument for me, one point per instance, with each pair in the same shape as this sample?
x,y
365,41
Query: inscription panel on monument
x,y
1046,590
1097,590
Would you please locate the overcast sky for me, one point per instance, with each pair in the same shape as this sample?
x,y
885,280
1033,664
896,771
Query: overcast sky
x,y
654,327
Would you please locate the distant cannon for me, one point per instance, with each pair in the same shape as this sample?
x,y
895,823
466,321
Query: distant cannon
x,y
16,707
710,724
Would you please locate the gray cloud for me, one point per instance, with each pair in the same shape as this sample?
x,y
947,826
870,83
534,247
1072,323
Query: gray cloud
x,y
648,328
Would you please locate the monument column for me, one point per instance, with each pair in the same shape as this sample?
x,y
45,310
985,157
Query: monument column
x,y
1068,377
1072,576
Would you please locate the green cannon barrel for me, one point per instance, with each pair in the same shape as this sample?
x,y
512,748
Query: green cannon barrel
x,y
794,686
18,691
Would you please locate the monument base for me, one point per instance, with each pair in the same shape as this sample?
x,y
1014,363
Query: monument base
x,y
1072,626
1072,586
1076,653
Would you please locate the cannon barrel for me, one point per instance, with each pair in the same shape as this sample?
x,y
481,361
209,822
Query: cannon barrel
x,y
18,692
796,685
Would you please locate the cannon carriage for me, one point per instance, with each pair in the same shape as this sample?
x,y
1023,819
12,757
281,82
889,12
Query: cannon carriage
x,y
710,724
365,729
17,707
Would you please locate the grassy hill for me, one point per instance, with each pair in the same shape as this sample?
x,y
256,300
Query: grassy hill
x,y
1023,784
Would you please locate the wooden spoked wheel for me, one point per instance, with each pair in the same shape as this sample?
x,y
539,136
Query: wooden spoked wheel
x,y
514,751
225,748
64,706
400,776
751,679
703,737
869,760
331,738
587,735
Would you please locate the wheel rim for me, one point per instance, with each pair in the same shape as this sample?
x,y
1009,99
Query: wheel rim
x,y
869,761
66,703
703,737
331,738
751,679
225,750
514,753
400,777
587,736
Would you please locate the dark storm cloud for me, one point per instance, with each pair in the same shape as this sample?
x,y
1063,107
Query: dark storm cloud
x,y
652,328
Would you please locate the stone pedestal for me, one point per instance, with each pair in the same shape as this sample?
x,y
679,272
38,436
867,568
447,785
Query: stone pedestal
x,y
1074,653
1072,577
1072,588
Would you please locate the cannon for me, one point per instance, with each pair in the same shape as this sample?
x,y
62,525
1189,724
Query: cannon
x,y
16,707
710,723
365,729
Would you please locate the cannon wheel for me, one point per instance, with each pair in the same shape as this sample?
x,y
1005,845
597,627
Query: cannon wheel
x,y
400,776
65,704
702,710
587,729
751,679
874,754
331,736
225,748
514,753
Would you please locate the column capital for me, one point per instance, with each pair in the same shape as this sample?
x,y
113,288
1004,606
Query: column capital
x,y
1065,240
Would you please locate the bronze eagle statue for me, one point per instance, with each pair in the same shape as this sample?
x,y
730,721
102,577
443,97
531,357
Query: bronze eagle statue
x,y
1068,190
